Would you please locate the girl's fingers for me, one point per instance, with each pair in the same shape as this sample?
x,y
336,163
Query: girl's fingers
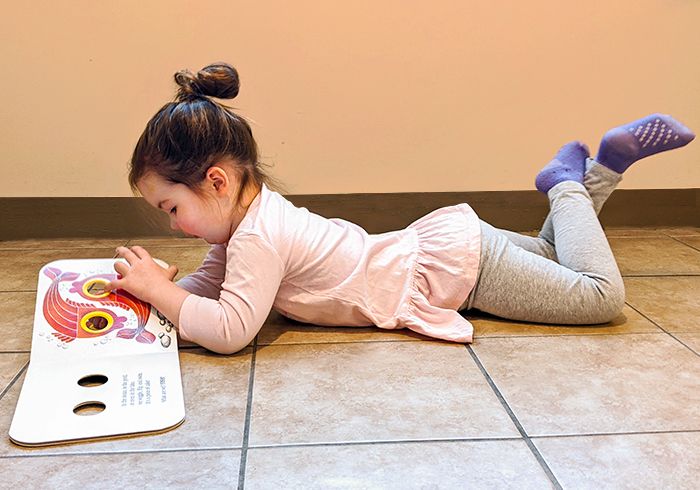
x,y
121,268
130,256
141,252
113,285
172,272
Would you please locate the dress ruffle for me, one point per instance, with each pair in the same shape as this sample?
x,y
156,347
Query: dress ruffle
x,y
445,271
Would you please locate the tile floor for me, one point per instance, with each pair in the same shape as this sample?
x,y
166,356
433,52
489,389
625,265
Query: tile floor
x,y
524,406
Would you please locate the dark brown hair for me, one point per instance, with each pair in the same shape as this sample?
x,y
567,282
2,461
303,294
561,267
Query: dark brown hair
x,y
186,137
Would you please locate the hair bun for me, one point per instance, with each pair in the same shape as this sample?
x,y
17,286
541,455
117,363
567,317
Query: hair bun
x,y
218,80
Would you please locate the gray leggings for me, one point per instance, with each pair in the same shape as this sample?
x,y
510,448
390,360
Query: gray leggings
x,y
566,275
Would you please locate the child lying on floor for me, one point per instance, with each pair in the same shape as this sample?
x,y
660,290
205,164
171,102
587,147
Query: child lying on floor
x,y
197,161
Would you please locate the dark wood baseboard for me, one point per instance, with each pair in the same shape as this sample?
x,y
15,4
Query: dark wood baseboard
x,y
119,217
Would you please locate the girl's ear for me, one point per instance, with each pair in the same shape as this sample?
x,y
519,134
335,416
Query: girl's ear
x,y
217,178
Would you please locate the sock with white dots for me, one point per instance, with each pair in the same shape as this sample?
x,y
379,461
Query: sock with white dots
x,y
624,145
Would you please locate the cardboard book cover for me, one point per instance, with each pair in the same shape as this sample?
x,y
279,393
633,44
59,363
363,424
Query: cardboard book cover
x,y
102,364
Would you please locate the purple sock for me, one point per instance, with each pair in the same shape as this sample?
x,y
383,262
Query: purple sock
x,y
568,164
624,145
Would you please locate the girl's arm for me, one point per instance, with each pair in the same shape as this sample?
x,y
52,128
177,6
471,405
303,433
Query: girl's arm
x,y
206,280
254,272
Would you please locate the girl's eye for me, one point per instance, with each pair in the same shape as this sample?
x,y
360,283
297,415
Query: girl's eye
x,y
173,210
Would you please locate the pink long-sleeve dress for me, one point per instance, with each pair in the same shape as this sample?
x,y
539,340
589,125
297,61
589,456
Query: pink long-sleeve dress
x,y
332,272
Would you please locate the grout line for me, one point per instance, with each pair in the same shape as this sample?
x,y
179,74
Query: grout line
x,y
14,380
380,341
460,439
686,244
135,243
664,330
603,434
52,249
383,442
514,419
476,337
36,452
17,290
683,344
248,410
15,352
668,274
555,335
656,234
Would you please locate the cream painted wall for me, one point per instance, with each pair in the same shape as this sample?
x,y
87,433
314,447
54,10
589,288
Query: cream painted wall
x,y
361,96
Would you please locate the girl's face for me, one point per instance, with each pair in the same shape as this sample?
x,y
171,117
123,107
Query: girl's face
x,y
209,215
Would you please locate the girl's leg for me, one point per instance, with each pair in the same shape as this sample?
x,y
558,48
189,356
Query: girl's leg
x,y
543,245
600,182
584,288
537,245
620,148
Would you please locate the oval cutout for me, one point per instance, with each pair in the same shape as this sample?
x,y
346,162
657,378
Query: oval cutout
x,y
89,408
95,288
97,322
93,380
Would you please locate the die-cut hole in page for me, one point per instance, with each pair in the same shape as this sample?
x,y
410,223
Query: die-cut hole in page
x,y
97,321
95,288
89,408
92,380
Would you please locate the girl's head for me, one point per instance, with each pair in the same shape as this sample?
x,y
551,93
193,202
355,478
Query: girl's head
x,y
189,143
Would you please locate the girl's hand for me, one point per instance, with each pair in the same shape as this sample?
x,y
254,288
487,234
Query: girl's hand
x,y
141,276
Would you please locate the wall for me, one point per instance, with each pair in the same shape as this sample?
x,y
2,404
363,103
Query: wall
x,y
362,96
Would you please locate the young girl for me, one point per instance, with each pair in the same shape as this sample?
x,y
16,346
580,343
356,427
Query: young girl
x,y
197,161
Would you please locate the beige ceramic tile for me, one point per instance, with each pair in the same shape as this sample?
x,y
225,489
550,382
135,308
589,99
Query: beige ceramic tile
x,y
671,302
371,391
693,241
19,269
490,326
148,243
692,340
279,330
7,410
596,384
61,243
473,464
187,259
10,365
654,256
16,320
636,461
215,390
180,469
